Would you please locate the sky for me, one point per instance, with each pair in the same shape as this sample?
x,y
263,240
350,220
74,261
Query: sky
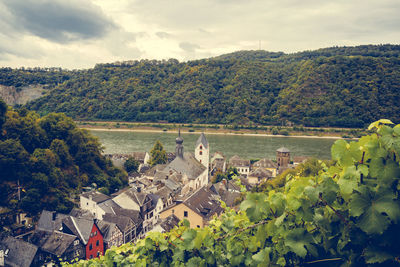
x,y
76,34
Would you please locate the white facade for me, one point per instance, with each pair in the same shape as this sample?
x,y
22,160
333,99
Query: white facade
x,y
91,206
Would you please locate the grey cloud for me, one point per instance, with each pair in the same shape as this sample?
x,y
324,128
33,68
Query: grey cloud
x,y
59,20
163,35
188,47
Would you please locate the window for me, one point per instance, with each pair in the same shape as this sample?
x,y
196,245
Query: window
x,y
201,147
91,257
87,203
76,242
198,226
76,253
201,153
97,243
90,247
98,253
95,232
173,211
185,213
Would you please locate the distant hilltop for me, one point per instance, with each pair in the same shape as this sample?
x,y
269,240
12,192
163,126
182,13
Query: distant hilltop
x,y
337,86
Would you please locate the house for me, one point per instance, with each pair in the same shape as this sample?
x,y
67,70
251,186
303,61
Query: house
x,y
242,165
17,253
266,164
91,201
227,190
126,225
198,208
50,221
166,224
55,246
112,235
133,200
259,175
218,163
299,159
88,233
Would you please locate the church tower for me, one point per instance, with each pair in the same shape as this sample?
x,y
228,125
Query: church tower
x,y
179,145
202,150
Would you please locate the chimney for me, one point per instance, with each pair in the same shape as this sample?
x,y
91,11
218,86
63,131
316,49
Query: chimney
x,y
54,215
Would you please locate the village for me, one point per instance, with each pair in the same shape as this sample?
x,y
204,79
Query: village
x,y
157,199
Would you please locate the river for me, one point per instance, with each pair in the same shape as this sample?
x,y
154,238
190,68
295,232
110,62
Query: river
x,y
250,147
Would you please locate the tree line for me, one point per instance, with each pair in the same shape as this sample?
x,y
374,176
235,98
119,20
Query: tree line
x,y
338,86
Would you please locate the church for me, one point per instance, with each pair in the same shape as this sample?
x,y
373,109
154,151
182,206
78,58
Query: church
x,y
193,168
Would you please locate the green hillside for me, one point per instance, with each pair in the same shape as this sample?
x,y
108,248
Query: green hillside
x,y
338,86
51,159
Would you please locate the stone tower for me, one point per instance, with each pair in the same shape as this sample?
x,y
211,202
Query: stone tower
x,y
179,145
202,150
282,158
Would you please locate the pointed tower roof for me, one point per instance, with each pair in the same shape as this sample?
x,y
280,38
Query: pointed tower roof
x,y
202,140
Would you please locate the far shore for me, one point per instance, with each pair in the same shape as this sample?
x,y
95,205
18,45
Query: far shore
x,y
208,131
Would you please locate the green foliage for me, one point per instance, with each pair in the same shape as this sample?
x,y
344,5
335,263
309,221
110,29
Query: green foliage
x,y
158,155
131,165
312,219
340,86
52,160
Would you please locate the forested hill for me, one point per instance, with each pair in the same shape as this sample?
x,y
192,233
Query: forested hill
x,y
339,86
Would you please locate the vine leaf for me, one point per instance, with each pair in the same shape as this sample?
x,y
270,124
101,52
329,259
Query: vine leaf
x,y
374,210
378,124
373,255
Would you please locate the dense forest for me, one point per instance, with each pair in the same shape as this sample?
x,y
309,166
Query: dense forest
x,y
338,86
345,213
51,160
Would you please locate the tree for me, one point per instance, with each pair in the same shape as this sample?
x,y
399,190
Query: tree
x,y
131,165
158,154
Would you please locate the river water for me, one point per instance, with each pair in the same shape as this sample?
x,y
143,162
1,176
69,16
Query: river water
x,y
250,147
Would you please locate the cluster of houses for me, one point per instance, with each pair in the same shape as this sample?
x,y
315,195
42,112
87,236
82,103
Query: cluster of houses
x,y
157,200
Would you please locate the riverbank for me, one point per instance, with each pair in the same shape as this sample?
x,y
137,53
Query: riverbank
x,y
325,133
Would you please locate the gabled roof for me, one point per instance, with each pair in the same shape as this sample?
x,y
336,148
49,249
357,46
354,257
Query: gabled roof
x,y
50,221
265,163
80,227
204,202
121,221
108,206
236,161
169,223
202,140
107,229
57,243
187,165
96,196
20,253
260,173
131,196
283,149
134,215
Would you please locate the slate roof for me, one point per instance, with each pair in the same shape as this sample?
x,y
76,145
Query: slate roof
x,y
204,202
131,196
187,165
202,140
138,156
164,193
169,223
134,215
109,206
50,221
57,243
75,212
121,221
283,149
80,227
20,253
96,196
236,161
265,163
107,229
260,173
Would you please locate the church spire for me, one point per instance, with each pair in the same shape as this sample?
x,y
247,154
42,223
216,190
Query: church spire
x,y
179,145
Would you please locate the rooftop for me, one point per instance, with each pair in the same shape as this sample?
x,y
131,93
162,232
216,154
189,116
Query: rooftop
x,y
96,196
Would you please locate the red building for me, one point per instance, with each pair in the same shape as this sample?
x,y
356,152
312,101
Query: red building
x,y
89,234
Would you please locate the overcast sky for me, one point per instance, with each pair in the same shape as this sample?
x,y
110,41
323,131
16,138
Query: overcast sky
x,y
80,33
